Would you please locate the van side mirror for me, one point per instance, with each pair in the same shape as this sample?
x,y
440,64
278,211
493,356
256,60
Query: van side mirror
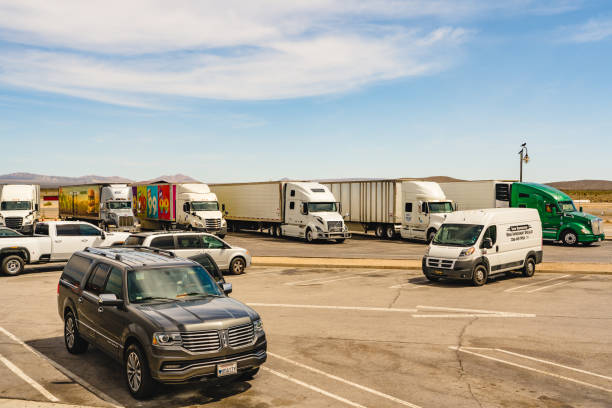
x,y
227,288
487,243
109,299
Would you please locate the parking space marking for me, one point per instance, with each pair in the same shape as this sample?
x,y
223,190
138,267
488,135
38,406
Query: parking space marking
x,y
535,283
462,312
550,286
347,382
17,371
499,360
421,283
361,308
326,281
313,388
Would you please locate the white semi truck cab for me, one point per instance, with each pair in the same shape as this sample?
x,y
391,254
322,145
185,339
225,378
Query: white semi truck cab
x,y
198,209
116,206
19,205
425,209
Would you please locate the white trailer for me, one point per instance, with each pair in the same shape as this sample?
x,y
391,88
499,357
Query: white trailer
x,y
285,208
475,195
19,205
425,209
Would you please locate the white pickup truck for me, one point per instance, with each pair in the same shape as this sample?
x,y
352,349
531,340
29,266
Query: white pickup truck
x,y
53,241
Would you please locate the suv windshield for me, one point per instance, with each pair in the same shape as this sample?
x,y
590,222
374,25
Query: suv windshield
x,y
445,207
15,205
170,283
321,207
119,205
567,206
458,234
204,206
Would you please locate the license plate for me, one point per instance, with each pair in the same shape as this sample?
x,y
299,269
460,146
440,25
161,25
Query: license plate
x,y
227,369
438,272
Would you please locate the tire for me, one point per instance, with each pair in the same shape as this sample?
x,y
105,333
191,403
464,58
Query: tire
x,y
137,375
309,236
432,278
480,275
73,341
221,236
431,234
237,266
390,232
529,268
340,240
278,231
249,374
379,231
12,265
569,238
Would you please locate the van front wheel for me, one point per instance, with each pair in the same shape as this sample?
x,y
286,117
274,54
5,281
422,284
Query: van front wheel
x,y
479,277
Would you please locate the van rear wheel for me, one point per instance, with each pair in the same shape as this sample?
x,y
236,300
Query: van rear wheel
x,y
529,268
479,277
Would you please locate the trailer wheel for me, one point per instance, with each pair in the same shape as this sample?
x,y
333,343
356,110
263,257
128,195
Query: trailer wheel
x,y
379,231
390,231
12,265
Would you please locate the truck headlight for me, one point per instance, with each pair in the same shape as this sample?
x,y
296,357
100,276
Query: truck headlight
x,y
198,224
258,326
167,339
467,252
585,230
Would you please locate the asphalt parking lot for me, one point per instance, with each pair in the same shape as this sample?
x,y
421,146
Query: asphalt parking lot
x,y
360,338
361,246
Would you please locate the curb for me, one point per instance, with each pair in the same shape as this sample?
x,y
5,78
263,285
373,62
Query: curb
x,y
412,264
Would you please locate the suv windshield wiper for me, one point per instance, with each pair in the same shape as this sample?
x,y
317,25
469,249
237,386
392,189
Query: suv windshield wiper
x,y
197,294
144,299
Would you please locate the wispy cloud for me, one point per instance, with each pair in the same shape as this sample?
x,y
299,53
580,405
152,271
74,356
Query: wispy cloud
x,y
591,31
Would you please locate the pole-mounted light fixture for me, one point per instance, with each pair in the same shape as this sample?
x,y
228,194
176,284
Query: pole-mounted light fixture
x,y
524,158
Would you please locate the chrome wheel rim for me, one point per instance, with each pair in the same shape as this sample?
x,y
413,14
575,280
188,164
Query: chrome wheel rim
x,y
13,266
134,372
570,239
69,332
237,267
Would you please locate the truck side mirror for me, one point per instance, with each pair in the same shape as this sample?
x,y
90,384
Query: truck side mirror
x,y
304,208
487,243
186,207
424,209
36,207
581,209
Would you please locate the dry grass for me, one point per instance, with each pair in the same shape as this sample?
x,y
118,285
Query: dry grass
x,y
596,196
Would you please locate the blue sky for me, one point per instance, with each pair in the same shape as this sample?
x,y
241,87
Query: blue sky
x,y
235,91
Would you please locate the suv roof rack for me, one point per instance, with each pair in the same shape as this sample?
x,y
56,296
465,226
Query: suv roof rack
x,y
151,249
101,252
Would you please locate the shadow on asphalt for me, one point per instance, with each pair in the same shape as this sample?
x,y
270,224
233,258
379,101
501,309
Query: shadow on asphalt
x,y
106,375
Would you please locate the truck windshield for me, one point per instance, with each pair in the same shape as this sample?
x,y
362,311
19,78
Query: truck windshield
x,y
445,207
119,205
458,234
322,207
204,206
567,206
15,205
170,283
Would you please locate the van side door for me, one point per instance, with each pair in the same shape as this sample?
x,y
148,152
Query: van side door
x,y
217,250
493,255
188,245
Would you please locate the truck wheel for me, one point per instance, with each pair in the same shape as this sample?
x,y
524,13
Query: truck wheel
x,y
278,231
569,238
479,277
390,231
74,343
379,231
309,235
431,234
137,374
237,266
12,265
529,268
340,240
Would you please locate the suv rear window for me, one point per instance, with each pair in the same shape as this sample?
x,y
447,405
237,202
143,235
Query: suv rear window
x,y
75,269
166,242
134,240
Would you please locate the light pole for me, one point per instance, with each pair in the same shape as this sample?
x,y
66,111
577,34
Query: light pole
x,y
524,158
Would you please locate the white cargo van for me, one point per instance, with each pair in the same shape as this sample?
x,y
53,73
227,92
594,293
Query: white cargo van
x,y
476,244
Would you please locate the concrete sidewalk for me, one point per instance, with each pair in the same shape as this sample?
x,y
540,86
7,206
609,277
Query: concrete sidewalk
x,y
15,403
413,264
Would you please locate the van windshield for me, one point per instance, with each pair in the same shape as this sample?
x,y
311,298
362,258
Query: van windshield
x,y
119,205
204,206
567,206
322,207
445,207
15,205
458,234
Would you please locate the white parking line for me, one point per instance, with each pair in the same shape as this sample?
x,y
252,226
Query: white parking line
x,y
535,283
313,388
412,285
342,380
499,360
550,286
328,280
362,308
309,280
28,379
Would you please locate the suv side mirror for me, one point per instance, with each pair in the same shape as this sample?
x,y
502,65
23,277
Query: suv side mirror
x,y
487,243
109,299
227,288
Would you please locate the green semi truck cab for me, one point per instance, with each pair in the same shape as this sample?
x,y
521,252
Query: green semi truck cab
x,y
560,219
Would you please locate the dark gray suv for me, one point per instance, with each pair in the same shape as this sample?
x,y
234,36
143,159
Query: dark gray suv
x,y
162,316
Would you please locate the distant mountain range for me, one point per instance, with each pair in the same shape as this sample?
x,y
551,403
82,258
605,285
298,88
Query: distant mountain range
x,y
54,181
582,185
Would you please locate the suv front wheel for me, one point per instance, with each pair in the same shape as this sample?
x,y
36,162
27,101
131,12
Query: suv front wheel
x,y
137,374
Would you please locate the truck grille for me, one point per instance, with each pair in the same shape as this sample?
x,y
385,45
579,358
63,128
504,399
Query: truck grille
x,y
440,263
595,224
201,341
213,223
239,336
334,226
13,222
126,221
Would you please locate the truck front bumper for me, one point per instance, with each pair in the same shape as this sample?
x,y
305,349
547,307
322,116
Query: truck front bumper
x,y
333,235
591,237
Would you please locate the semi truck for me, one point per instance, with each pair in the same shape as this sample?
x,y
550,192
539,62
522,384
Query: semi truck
x,y
190,206
392,207
101,204
19,205
561,221
299,209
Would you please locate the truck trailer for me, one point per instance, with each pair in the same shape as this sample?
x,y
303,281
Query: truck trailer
x,y
19,205
102,204
391,207
560,219
300,209
190,206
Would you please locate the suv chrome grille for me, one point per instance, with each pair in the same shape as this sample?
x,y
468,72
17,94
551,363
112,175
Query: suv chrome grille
x,y
239,336
201,341
13,222
334,226
440,263
213,223
126,221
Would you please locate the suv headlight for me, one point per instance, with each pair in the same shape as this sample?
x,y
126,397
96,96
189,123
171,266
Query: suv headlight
x,y
258,326
467,251
167,339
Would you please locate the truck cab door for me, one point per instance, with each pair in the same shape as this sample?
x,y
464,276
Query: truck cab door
x,y
292,217
551,220
66,241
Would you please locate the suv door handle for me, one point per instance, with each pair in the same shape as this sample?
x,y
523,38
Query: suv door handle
x,y
80,300
58,241
84,240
